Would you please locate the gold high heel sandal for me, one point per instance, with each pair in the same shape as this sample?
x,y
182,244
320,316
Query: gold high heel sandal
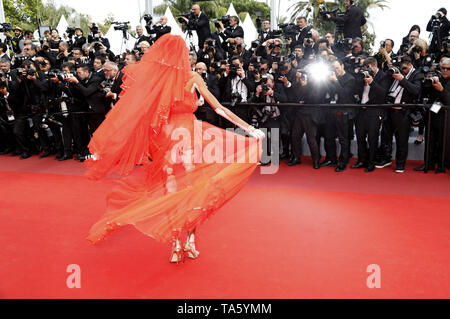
x,y
176,254
189,247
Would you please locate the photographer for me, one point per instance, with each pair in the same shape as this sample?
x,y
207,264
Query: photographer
x,y
141,37
229,34
269,117
160,28
74,132
439,95
199,22
236,87
265,33
3,51
273,50
385,54
88,85
417,52
99,61
345,87
238,49
302,32
7,116
204,111
113,85
405,89
440,26
54,41
78,40
210,53
96,37
16,42
353,20
405,47
369,119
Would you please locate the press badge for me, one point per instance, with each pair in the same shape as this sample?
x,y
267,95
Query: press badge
x,y
436,107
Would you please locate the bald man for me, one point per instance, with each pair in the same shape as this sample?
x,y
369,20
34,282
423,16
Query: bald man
x,y
204,111
200,23
160,28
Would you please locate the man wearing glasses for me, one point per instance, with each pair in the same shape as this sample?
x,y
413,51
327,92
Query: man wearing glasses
x,y
439,96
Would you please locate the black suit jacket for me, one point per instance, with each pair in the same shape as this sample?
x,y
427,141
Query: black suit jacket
x,y
91,94
225,84
353,20
412,87
299,38
201,25
377,94
160,30
117,87
346,89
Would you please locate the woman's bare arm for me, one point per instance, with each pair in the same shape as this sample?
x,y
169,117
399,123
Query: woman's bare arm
x,y
197,82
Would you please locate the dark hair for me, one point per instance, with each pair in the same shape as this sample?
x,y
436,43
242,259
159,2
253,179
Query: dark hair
x,y
237,57
392,41
4,47
101,58
27,32
413,28
323,40
84,67
299,46
406,59
67,65
79,49
370,61
235,18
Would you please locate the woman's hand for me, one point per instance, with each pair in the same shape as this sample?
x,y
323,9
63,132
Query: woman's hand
x,y
256,133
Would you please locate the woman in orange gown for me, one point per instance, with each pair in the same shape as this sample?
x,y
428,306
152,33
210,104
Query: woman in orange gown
x,y
178,170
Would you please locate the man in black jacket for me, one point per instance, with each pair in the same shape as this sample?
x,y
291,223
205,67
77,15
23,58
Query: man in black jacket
x,y
369,119
230,34
236,87
204,111
440,26
440,94
160,28
302,33
353,20
88,86
114,78
200,23
345,87
405,89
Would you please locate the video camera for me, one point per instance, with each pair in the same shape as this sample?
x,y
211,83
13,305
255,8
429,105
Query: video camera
x,y
70,31
225,21
94,30
6,27
148,19
188,15
289,30
333,13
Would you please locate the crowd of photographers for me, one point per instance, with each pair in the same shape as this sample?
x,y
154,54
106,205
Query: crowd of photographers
x,y
57,93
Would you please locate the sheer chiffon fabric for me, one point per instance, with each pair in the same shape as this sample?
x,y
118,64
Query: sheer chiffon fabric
x,y
176,170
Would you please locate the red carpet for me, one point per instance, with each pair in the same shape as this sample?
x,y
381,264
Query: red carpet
x,y
298,234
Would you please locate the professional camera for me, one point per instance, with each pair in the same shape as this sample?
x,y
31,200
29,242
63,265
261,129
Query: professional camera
x,y
225,21
3,81
60,75
188,15
258,21
255,44
383,44
121,26
27,72
417,49
366,73
94,30
446,44
430,71
70,31
404,48
148,18
308,39
49,119
256,62
334,13
235,98
394,70
234,67
105,86
289,30
5,27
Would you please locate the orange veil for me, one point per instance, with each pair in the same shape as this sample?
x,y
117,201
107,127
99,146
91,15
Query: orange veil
x,y
126,136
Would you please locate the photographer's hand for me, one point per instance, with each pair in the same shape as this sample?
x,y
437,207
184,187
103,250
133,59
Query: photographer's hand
x,y
4,91
398,76
258,90
241,73
269,92
333,77
31,77
438,86
368,79
72,79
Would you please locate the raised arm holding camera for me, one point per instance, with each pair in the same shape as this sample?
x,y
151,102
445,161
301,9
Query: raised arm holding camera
x,y
352,20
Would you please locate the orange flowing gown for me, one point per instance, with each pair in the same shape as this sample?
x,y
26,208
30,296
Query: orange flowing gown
x,y
177,170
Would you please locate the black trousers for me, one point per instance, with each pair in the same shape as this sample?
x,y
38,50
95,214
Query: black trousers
x,y
7,140
207,114
396,124
270,125
367,132
436,131
304,123
80,131
23,134
337,125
